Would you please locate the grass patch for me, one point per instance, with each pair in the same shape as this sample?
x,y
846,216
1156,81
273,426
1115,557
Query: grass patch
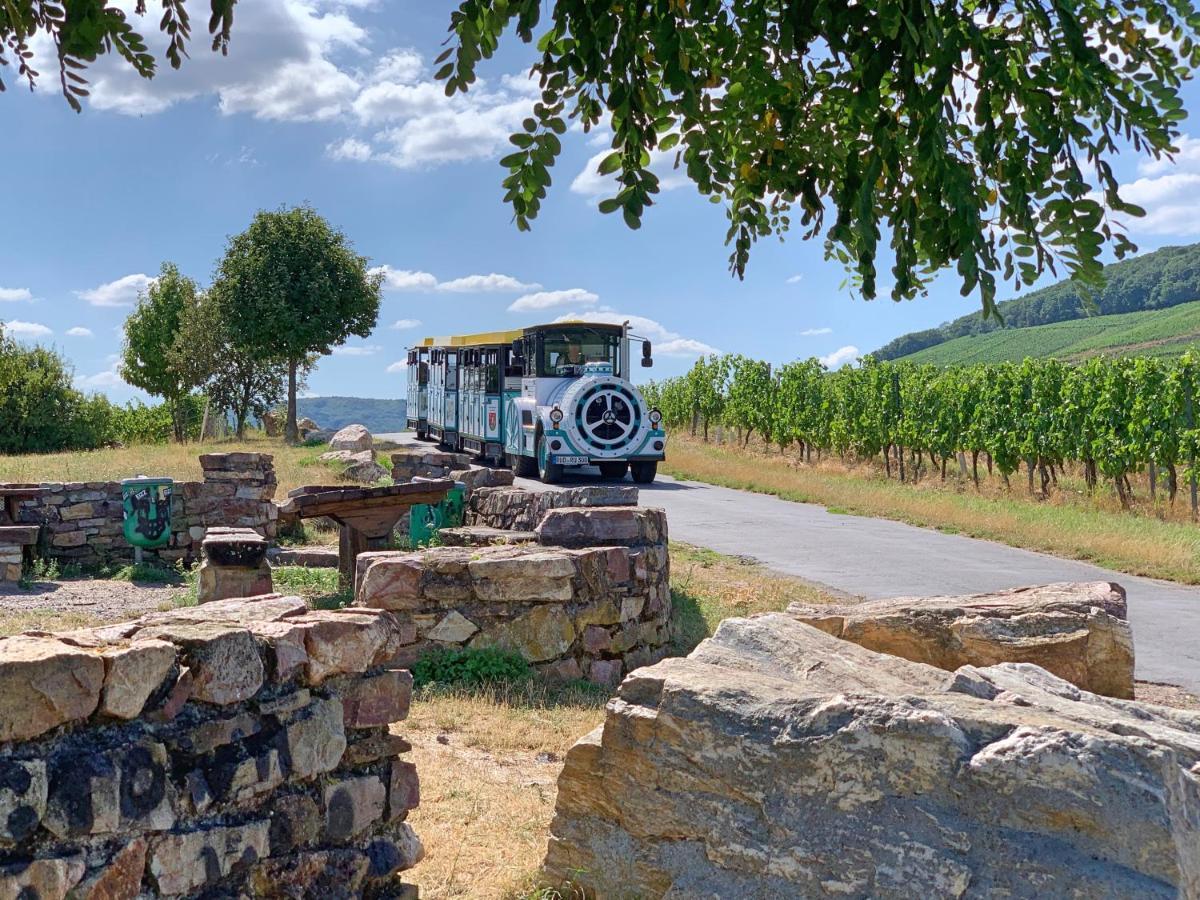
x,y
455,666
318,587
147,573
1156,542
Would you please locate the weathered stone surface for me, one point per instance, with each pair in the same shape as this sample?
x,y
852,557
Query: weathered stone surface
x,y
1075,630
479,476
45,683
779,761
308,557
343,641
605,671
216,582
402,850
295,822
316,738
403,790
377,700
352,805
454,628
41,879
234,611
131,674
544,633
118,879
223,659
182,863
322,873
483,536
374,747
23,790
353,437
124,788
389,581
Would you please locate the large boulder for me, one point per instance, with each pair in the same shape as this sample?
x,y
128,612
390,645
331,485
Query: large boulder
x,y
779,761
1078,631
354,438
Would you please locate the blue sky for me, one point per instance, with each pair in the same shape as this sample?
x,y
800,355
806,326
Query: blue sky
x,y
332,103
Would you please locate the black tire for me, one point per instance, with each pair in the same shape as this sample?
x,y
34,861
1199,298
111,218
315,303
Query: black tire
x,y
614,470
548,472
521,466
644,472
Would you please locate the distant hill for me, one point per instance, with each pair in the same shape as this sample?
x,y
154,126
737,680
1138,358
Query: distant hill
x,y
1154,281
379,416
1156,332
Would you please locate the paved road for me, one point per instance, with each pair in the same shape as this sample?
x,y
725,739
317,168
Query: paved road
x,y
876,558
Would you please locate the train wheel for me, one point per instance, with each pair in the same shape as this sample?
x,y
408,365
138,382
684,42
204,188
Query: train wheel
x,y
550,473
614,470
644,472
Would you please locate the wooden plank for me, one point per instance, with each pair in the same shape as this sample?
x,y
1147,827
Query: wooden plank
x,y
351,542
339,506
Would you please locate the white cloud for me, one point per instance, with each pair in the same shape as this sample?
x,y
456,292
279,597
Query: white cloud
x,y
356,350
398,366
15,295
79,331
405,280
122,292
1186,160
795,279
590,183
349,149
17,328
814,332
840,357
553,300
483,284
666,342
1170,202
110,377
405,324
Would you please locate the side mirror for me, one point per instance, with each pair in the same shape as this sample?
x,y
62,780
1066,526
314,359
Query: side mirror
x,y
647,361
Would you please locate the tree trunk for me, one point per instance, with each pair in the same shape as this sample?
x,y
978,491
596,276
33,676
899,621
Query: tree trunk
x,y
1153,482
291,433
1172,482
204,421
988,457
706,429
975,468
887,460
1121,493
1029,474
1045,476
900,461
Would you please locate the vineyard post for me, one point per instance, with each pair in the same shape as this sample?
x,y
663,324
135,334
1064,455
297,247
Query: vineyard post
x,y
1191,424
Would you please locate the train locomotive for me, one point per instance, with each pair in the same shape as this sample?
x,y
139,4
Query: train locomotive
x,y
542,400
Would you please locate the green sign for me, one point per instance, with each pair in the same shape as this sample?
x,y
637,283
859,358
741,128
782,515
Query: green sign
x,y
147,508
427,519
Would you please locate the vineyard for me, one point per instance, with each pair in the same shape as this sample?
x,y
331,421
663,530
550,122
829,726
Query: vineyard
x,y
1111,417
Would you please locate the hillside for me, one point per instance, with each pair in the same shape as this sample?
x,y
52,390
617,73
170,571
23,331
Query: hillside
x,y
1154,281
379,416
1158,332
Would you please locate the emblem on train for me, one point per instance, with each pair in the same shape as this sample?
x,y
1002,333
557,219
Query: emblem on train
x,y
543,400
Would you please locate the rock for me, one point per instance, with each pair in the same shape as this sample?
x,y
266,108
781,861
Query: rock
x,y
295,822
362,468
353,438
605,672
118,879
404,789
308,557
183,863
395,852
389,581
377,700
40,879
779,761
542,634
216,582
316,739
483,536
454,628
23,791
322,873
352,640
131,674
521,574
1077,631
104,792
352,805
223,659
234,611
306,424
370,747
45,683
479,476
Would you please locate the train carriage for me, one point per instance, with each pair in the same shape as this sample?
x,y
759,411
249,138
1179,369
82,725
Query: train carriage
x,y
544,399
417,405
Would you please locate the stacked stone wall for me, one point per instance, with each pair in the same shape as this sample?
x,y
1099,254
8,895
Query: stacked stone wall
x,y
237,750
516,509
82,522
590,600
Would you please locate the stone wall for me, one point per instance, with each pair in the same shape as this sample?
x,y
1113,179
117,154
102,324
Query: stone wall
x,y
590,600
407,465
82,522
516,509
239,749
780,761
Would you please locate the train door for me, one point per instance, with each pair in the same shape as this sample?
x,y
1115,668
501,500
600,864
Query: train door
x,y
450,415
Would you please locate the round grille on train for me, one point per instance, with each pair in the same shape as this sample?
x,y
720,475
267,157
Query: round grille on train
x,y
606,417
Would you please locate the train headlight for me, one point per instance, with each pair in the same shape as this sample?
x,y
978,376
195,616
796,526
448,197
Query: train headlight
x,y
655,417
556,416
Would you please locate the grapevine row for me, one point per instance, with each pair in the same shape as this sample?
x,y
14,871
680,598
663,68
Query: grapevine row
x,y
1112,417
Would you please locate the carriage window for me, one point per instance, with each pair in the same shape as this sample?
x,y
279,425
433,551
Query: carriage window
x,y
565,351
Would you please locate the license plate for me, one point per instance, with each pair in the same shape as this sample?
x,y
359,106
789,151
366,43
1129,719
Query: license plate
x,y
571,460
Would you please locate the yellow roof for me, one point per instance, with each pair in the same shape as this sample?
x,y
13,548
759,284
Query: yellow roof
x,y
481,339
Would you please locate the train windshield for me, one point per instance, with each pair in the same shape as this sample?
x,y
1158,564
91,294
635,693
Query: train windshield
x,y
567,350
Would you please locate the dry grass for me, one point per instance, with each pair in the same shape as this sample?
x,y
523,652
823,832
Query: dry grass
x,y
1071,524
294,466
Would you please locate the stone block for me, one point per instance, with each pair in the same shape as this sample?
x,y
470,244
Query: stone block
x,y
41,879
605,671
295,822
395,852
285,648
596,639
105,792
540,635
352,805
187,862
45,683
1078,631
23,790
119,878
353,437
453,628
316,738
212,734
371,747
631,608
391,581
377,700
223,660
353,640
131,674
318,873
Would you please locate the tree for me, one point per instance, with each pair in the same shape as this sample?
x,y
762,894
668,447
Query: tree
x,y
243,383
150,335
291,286
978,133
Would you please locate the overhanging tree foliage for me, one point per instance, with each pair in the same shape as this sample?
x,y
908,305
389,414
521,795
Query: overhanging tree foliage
x,y
978,133
291,286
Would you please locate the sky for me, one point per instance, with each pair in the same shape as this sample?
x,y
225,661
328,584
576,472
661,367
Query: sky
x,y
333,104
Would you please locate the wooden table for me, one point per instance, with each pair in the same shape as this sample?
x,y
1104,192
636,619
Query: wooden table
x,y
13,494
366,516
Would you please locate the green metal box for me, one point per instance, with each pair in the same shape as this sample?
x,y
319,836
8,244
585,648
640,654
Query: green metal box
x,y
147,506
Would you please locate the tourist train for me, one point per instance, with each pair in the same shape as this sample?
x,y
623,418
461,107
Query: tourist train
x,y
541,399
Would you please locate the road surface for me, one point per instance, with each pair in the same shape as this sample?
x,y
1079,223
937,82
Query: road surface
x,y
876,558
